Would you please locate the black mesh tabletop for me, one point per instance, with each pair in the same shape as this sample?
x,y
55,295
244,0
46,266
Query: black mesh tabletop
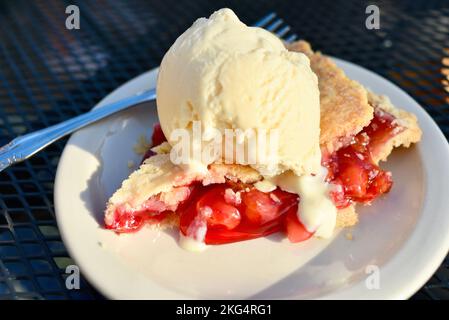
x,y
49,73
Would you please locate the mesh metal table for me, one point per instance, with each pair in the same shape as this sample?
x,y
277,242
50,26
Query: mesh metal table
x,y
49,73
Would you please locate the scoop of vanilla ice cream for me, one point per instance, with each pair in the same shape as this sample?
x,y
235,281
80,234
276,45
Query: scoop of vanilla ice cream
x,y
228,75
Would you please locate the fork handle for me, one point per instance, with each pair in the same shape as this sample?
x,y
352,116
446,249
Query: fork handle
x,y
25,146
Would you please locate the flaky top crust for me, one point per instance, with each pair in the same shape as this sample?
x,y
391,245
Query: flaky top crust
x,y
344,104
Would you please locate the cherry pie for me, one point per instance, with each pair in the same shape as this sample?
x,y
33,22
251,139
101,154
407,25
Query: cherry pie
x,y
222,205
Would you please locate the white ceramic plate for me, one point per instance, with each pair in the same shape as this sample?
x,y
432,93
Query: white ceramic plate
x,y
404,235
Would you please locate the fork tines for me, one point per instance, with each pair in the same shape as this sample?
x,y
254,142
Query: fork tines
x,y
276,25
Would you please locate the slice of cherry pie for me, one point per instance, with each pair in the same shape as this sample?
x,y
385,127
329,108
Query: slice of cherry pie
x,y
228,202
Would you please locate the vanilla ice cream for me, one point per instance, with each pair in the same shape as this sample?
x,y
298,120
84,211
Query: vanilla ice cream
x,y
228,75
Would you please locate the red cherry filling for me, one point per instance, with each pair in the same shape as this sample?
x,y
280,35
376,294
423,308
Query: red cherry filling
x,y
352,170
255,214
133,221
153,210
295,230
156,139
158,135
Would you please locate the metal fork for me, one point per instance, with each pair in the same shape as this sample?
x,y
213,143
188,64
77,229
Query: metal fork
x,y
25,146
